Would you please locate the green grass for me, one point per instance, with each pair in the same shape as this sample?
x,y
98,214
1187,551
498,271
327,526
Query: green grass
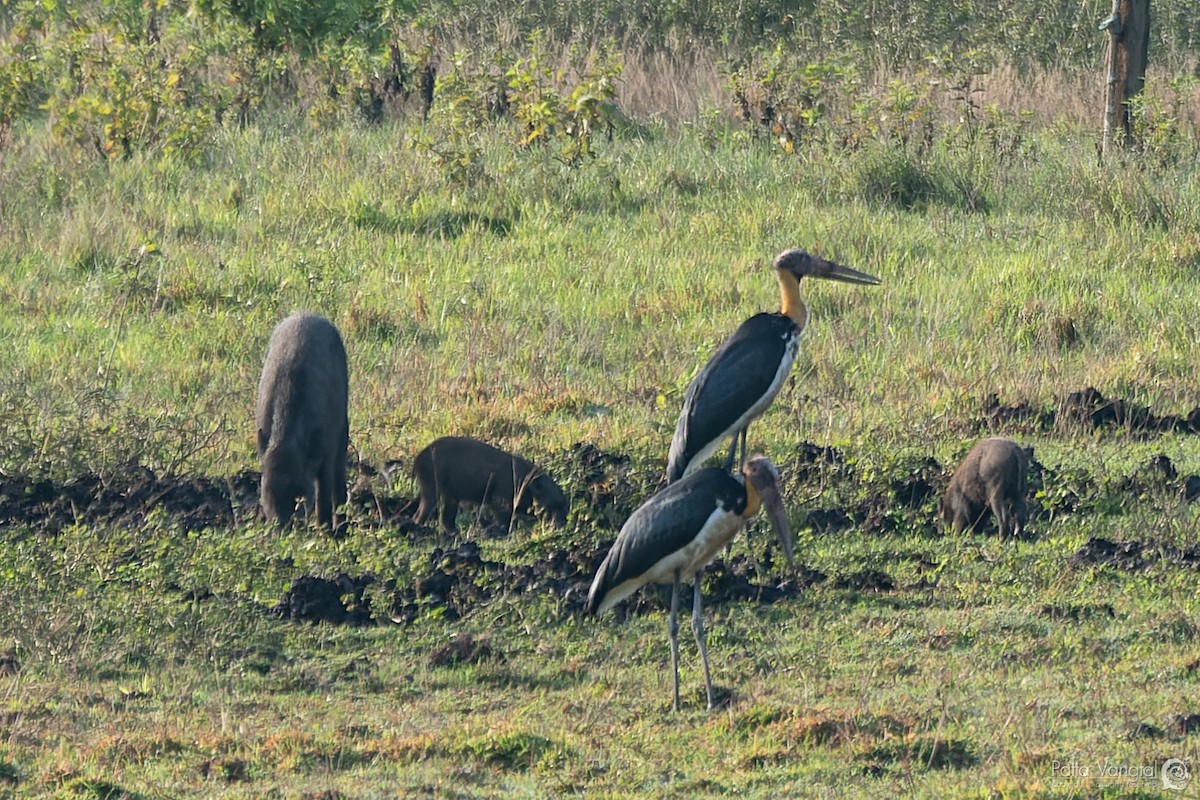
x,y
540,306
969,686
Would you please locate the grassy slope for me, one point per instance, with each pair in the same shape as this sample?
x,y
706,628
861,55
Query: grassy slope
x,y
542,307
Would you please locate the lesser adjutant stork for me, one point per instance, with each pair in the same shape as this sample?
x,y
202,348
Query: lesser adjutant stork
x,y
674,535
742,378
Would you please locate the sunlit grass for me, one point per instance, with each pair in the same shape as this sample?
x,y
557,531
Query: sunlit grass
x,y
544,305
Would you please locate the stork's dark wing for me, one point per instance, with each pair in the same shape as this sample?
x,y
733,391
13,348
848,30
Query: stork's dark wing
x,y
738,375
666,523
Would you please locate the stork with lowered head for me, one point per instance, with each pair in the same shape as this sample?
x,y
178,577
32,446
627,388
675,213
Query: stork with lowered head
x,y
677,532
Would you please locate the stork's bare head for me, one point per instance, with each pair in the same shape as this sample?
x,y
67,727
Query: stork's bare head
x,y
803,264
765,479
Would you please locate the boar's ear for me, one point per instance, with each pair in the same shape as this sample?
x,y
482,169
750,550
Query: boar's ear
x,y
263,440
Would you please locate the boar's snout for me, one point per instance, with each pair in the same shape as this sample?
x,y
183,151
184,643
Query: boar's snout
x,y
279,494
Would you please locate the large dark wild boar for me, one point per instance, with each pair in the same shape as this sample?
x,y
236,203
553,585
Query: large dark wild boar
x,y
992,476
303,430
455,469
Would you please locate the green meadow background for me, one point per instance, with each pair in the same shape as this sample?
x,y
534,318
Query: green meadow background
x,y
542,256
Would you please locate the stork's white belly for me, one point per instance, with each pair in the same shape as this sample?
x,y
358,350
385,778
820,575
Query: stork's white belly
x,y
720,527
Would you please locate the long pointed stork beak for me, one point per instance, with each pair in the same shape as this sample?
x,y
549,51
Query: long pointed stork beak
x,y
765,478
836,272
803,264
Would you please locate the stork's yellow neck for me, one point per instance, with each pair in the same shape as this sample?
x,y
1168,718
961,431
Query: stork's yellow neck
x,y
753,500
791,304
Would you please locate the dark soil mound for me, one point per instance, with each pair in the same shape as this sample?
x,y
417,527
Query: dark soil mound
x,y
127,499
1089,409
1126,555
338,600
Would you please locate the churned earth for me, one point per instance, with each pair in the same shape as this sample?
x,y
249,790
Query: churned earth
x,y
456,576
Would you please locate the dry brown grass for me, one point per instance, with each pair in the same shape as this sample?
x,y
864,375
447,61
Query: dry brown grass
x,y
678,85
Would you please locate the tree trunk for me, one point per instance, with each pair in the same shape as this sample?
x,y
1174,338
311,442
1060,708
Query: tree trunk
x,y
1129,43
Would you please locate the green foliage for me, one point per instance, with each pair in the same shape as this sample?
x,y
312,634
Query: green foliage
x,y
551,107
1161,127
787,94
562,109
511,750
301,24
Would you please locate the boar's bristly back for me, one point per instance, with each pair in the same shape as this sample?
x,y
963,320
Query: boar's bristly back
x,y
301,416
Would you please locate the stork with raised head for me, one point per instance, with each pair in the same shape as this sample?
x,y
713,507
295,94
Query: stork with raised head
x,y
742,378
676,533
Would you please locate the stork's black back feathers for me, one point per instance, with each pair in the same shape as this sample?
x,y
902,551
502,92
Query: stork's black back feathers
x,y
666,523
737,377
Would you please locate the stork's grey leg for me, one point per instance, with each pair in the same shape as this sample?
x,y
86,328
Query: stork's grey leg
x,y
745,432
698,629
732,453
673,630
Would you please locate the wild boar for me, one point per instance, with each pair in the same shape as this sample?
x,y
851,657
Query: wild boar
x,y
455,469
303,428
992,476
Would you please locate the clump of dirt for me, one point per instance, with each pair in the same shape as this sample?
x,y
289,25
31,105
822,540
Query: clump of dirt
x,y
997,414
462,649
813,461
1125,555
230,770
865,580
603,482
1075,612
1090,409
1186,724
1133,554
1159,476
453,582
914,489
741,579
126,499
338,600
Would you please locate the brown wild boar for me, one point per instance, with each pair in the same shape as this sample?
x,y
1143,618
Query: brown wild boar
x,y
303,430
455,469
992,476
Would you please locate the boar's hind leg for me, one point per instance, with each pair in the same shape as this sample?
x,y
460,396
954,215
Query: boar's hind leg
x,y
325,493
1003,511
429,502
339,468
449,515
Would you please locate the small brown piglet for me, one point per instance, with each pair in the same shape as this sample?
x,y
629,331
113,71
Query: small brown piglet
x,y
455,469
992,476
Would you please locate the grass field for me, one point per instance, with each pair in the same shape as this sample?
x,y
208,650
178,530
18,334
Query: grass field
x,y
559,310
